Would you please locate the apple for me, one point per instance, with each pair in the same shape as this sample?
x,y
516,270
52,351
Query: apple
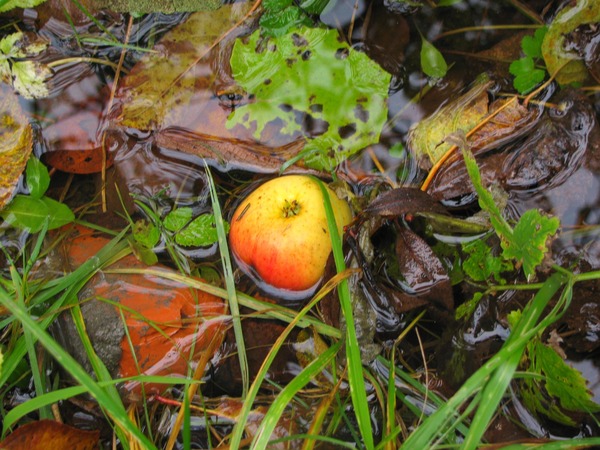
x,y
279,234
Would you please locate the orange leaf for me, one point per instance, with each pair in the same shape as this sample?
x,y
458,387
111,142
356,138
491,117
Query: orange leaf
x,y
169,325
50,435
75,146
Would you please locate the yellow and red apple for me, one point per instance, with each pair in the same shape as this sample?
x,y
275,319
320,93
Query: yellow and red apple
x,y
279,232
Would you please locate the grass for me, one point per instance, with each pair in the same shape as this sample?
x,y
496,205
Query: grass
x,y
457,422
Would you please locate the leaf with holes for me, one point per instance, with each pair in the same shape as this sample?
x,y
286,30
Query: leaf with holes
x,y
308,84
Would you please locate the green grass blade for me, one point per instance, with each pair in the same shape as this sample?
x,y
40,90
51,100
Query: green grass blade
x,y
271,419
114,409
232,299
436,424
355,369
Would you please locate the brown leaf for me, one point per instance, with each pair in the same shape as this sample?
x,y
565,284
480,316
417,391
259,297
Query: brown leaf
x,y
423,270
401,201
171,85
74,144
15,142
233,153
50,435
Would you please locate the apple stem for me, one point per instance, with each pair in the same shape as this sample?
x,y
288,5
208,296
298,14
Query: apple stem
x,y
291,209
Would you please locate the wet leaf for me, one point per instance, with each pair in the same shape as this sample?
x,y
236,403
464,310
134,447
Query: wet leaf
x,y
422,270
74,143
28,77
165,6
146,234
38,178
200,232
527,76
15,142
532,45
566,63
280,16
28,213
50,435
311,85
177,219
481,264
401,201
562,388
169,325
426,138
432,61
178,81
529,243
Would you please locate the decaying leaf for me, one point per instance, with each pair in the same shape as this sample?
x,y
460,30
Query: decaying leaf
x,y
309,84
426,138
74,145
15,142
168,324
565,63
169,85
27,76
50,435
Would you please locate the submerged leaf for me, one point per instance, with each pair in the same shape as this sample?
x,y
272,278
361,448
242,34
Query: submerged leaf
x,y
164,85
29,213
15,142
432,61
561,61
309,84
426,138
51,435
38,178
561,390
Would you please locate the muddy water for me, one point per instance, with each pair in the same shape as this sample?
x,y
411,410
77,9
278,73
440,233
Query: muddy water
x,y
150,165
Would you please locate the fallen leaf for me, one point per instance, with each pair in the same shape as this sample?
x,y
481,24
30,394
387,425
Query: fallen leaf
x,y
15,142
426,138
171,85
566,63
73,144
50,435
168,325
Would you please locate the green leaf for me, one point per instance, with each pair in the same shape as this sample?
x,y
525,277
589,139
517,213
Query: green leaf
x,y
38,178
481,264
146,234
309,76
532,45
527,77
529,242
25,212
560,389
10,4
432,61
278,22
202,231
177,219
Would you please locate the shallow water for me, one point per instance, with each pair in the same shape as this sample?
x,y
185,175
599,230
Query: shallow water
x,y
164,166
